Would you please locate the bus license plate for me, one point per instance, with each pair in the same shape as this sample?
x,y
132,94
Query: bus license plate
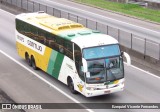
x,y
107,92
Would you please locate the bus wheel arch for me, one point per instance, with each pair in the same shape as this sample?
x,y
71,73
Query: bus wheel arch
x,y
28,59
33,63
70,84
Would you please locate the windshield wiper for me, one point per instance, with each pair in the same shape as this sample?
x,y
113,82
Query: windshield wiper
x,y
114,77
96,66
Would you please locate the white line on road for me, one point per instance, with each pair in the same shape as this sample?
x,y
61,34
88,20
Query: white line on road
x,y
145,72
73,99
91,13
6,12
54,85
131,65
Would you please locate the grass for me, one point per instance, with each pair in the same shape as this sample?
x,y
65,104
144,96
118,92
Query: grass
x,y
128,9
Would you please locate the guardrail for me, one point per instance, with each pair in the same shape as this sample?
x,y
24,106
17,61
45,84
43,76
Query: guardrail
x,y
131,41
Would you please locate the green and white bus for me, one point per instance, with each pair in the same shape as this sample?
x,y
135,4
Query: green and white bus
x,y
88,61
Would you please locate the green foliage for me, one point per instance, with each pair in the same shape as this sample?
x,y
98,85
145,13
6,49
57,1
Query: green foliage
x,y
129,9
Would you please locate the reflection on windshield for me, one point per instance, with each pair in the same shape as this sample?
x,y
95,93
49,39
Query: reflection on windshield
x,y
102,70
97,70
101,52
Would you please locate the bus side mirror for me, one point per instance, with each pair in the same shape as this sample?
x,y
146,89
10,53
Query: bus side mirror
x,y
84,67
121,53
127,58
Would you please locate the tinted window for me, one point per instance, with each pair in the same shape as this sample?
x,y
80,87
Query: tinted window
x,y
41,36
101,51
57,43
68,47
78,60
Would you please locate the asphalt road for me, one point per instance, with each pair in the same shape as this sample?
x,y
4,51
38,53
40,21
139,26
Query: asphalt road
x,y
24,86
92,17
142,29
120,17
99,20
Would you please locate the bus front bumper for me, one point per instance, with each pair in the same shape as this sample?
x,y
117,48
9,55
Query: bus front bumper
x,y
91,93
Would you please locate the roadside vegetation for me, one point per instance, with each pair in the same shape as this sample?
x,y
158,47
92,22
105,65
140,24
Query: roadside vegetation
x,y
127,9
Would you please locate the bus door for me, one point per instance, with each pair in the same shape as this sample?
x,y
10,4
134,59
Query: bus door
x,y
80,79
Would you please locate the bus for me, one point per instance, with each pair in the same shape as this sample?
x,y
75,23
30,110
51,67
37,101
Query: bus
x,y
87,61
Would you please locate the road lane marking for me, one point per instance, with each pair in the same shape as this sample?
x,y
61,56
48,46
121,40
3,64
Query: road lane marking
x,y
147,72
91,13
131,65
125,63
7,12
103,17
41,78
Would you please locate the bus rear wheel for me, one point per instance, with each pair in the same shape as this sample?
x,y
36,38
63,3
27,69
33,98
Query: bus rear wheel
x,y
33,63
28,59
71,86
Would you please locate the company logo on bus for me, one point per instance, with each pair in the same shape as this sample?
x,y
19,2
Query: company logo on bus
x,y
36,46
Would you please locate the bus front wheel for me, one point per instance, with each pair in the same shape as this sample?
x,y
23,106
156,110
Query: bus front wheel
x,y
71,86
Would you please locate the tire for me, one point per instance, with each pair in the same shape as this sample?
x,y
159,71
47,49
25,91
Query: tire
x,y
28,60
33,63
71,86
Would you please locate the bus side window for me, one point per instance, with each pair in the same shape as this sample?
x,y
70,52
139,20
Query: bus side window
x,y
60,43
77,54
51,41
68,49
34,32
26,29
20,25
41,36
78,61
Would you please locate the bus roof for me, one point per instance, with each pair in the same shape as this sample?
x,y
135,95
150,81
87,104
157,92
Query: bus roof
x,y
43,20
67,29
94,40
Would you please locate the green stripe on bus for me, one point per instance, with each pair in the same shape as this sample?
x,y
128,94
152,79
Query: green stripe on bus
x,y
55,64
52,62
58,64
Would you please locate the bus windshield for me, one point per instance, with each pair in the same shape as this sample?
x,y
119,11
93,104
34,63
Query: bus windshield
x,y
104,64
101,51
104,70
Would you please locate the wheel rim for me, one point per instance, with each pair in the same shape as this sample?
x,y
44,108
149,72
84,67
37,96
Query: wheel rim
x,y
29,61
71,86
34,64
